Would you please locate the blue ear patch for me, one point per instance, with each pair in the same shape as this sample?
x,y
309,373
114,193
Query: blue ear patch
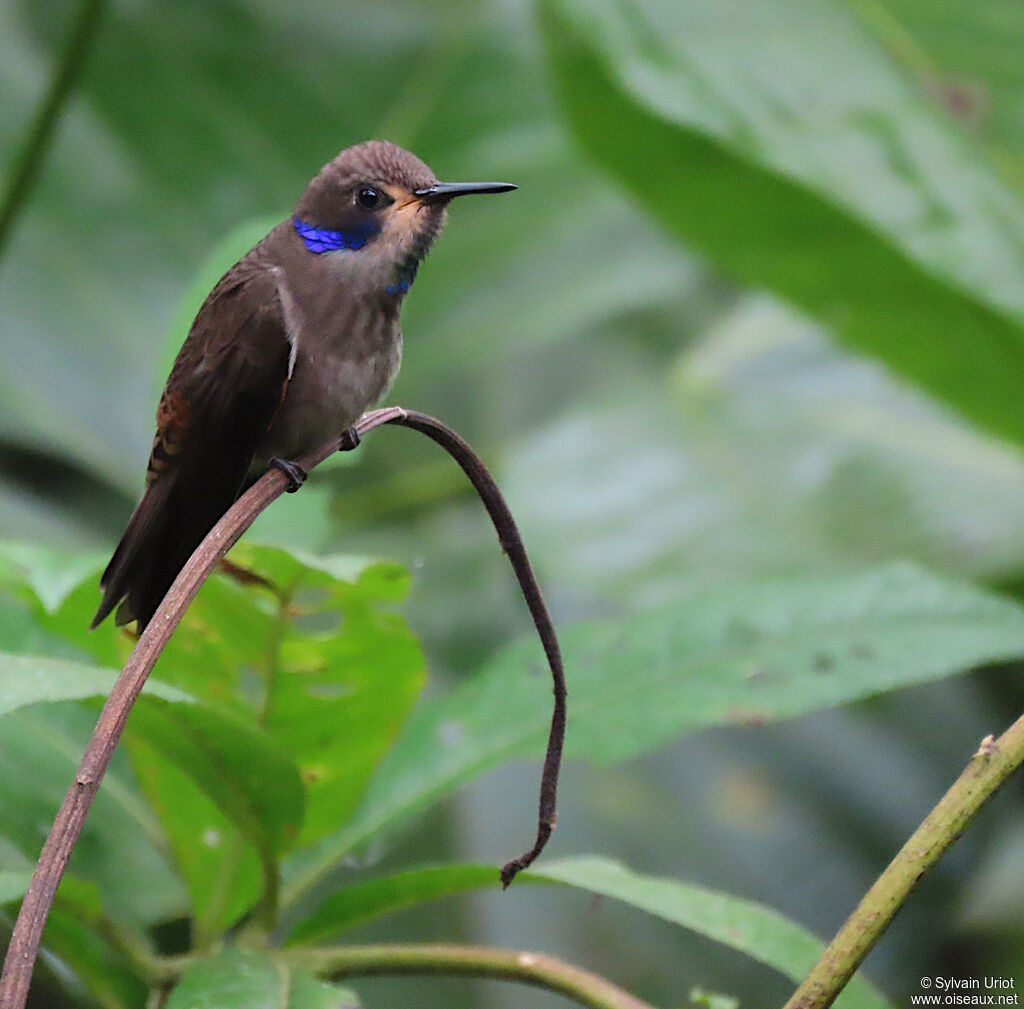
x,y
324,240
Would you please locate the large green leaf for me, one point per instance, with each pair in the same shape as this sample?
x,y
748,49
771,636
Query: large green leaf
x,y
214,856
753,929
78,934
341,671
30,679
338,670
741,654
60,590
239,778
243,772
817,171
236,979
122,848
110,978
352,905
760,932
302,670
252,781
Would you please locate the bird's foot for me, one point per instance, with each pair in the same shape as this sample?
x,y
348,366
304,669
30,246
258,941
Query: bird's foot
x,y
295,473
349,440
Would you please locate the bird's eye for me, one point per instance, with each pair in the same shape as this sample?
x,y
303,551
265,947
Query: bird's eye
x,y
368,198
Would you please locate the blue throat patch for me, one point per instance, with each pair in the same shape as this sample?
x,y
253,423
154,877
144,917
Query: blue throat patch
x,y
324,240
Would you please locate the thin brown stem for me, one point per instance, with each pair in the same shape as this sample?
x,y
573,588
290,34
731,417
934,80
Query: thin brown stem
x,y
28,162
28,930
512,544
989,769
537,969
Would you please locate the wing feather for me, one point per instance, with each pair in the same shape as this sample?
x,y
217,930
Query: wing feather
x,y
226,385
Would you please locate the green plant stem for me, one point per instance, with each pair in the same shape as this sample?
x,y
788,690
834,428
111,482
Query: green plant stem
x,y
265,913
988,769
135,947
471,961
28,161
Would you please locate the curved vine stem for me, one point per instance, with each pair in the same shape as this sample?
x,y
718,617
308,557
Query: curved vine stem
x,y
511,543
537,969
28,930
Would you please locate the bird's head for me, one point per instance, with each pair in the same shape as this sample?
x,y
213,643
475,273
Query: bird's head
x,y
380,208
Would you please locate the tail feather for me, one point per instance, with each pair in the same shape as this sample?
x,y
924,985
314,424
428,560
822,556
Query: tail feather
x,y
171,520
135,553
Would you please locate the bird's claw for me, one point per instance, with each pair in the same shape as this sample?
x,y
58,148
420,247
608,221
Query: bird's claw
x,y
292,470
349,440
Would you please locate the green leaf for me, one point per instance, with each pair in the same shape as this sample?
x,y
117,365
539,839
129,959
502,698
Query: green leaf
x,y
230,802
60,589
337,692
760,932
50,575
217,861
251,784
818,171
236,979
342,671
975,75
753,929
13,884
78,933
243,774
741,654
251,781
121,849
31,679
306,678
361,902
255,784
106,972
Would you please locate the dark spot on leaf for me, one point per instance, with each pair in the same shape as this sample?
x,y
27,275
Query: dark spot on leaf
x,y
967,99
750,717
862,650
823,663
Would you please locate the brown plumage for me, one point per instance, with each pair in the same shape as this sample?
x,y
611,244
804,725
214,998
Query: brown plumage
x,y
297,340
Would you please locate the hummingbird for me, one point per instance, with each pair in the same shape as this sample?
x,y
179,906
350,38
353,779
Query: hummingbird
x,y
292,345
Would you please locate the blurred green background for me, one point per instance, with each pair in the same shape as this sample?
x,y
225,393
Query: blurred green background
x,y
757,308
